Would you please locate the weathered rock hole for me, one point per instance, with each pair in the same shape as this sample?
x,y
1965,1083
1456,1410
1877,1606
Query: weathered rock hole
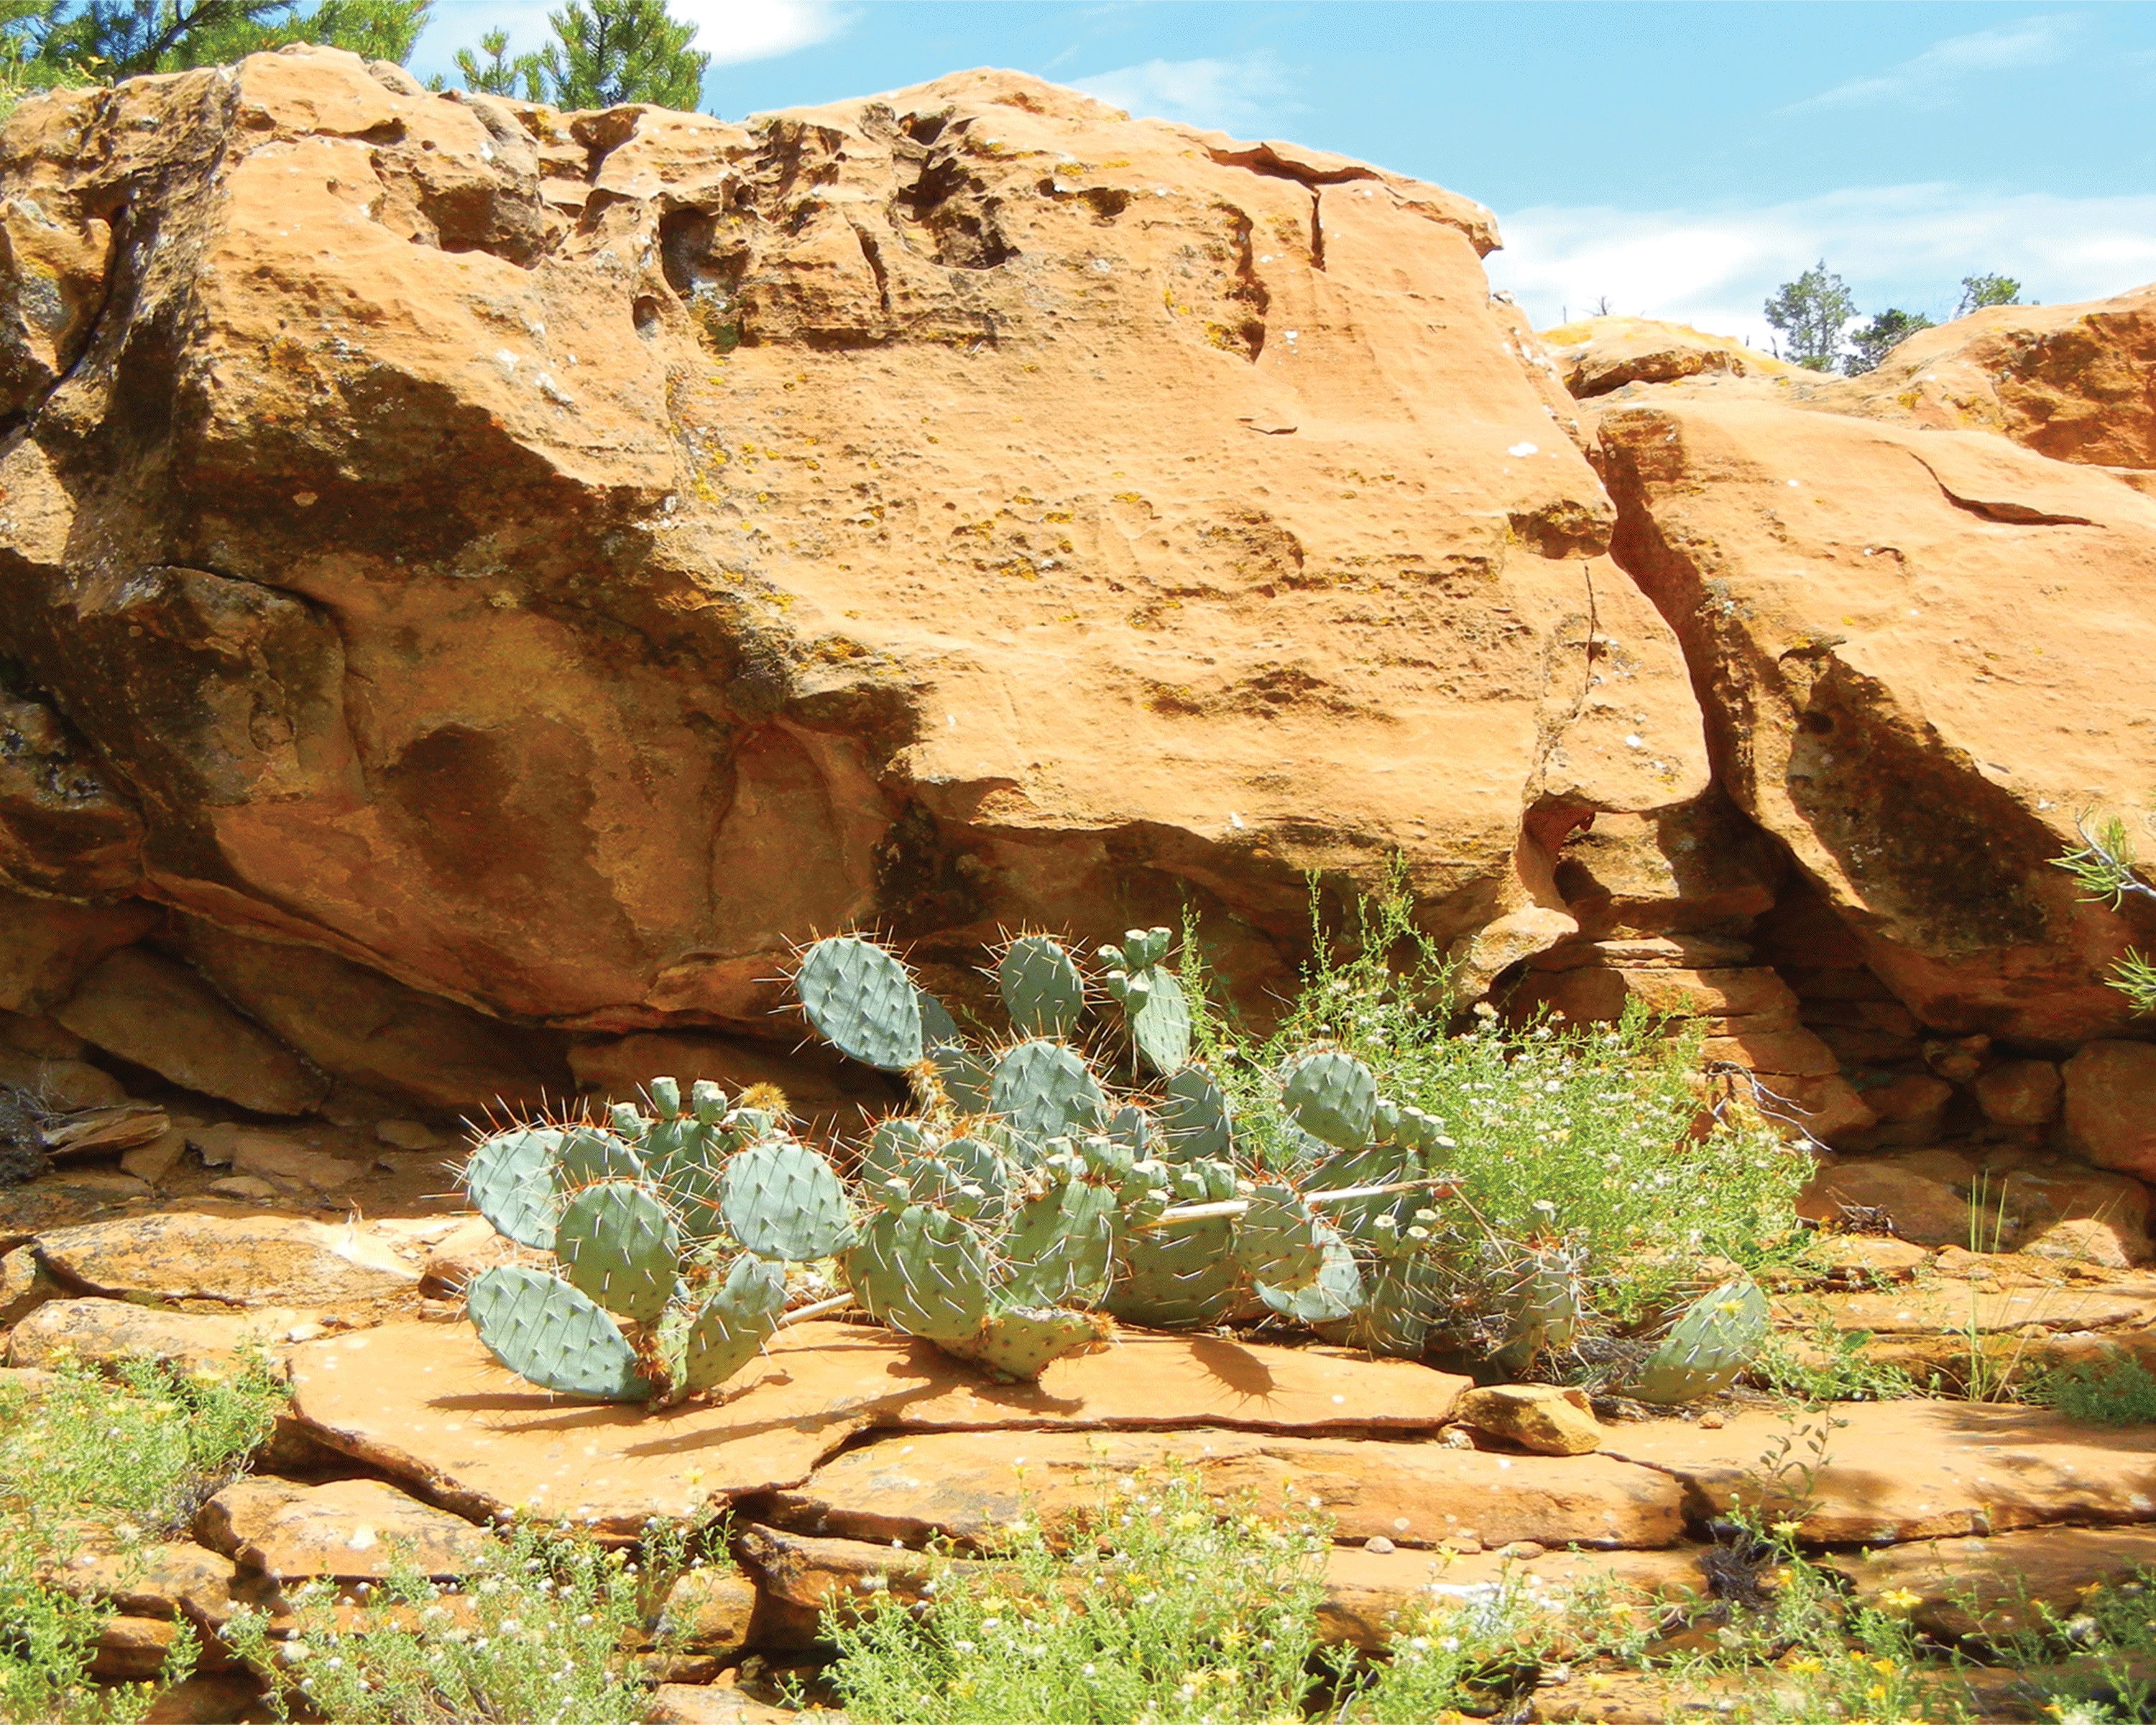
x,y
645,311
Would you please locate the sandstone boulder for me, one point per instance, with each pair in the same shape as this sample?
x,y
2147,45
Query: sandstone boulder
x,y
235,1260
2111,1106
1921,655
47,945
109,1333
67,828
365,1029
348,1529
160,1014
2058,1210
2077,382
2020,1093
1921,1210
1897,1471
1539,1417
563,560
2014,1582
1597,355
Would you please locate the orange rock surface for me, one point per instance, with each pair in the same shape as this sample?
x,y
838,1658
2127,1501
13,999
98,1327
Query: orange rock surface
x,y
567,558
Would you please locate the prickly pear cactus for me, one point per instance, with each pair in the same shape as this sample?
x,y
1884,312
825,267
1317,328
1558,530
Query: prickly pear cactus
x,y
1155,1007
1027,1203
1707,1347
671,1232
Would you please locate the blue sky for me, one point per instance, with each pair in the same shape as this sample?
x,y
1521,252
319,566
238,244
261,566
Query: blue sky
x,y
1681,159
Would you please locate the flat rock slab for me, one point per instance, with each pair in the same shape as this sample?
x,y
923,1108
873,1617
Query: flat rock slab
x,y
1367,1594
970,1484
234,1260
427,1404
106,1332
2000,1584
164,1578
350,1530
1951,1309
1914,1469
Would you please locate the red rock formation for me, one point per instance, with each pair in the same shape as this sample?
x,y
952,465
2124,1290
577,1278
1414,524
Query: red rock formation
x,y
555,561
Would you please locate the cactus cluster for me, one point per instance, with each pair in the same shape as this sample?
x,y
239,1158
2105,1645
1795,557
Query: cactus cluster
x,y
1025,1204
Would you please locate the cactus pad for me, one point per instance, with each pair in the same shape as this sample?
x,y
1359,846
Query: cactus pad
x,y
938,1028
1023,1342
1179,1274
512,1177
681,1157
1403,1308
920,1271
544,1330
962,1075
1042,990
1547,1299
1160,1022
1332,1096
1045,1090
1057,1243
730,1328
1276,1239
619,1245
1331,1297
862,1001
782,1200
1707,1348
590,1155
1195,1116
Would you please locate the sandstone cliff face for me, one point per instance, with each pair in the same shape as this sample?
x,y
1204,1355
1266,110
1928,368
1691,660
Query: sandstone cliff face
x,y
549,563
478,583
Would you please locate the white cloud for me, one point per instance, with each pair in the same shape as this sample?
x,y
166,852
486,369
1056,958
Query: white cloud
x,y
1900,245
1227,95
2030,42
729,31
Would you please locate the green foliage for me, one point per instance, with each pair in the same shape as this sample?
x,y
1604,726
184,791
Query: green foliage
x,y
104,40
1839,1373
1978,291
617,51
2108,872
1160,1605
2118,1391
501,73
1811,313
1870,346
2098,1660
544,1630
123,1462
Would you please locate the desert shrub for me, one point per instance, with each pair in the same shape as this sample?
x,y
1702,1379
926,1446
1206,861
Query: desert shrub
x,y
87,1457
1840,1372
1583,1145
2109,1392
1160,1605
544,1631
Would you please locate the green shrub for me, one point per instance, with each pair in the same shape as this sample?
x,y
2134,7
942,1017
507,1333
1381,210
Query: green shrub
x,y
1580,1141
1842,1374
2111,1392
544,1631
1159,1606
124,1462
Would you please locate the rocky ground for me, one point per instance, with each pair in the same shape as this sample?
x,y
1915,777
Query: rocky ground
x,y
849,1448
